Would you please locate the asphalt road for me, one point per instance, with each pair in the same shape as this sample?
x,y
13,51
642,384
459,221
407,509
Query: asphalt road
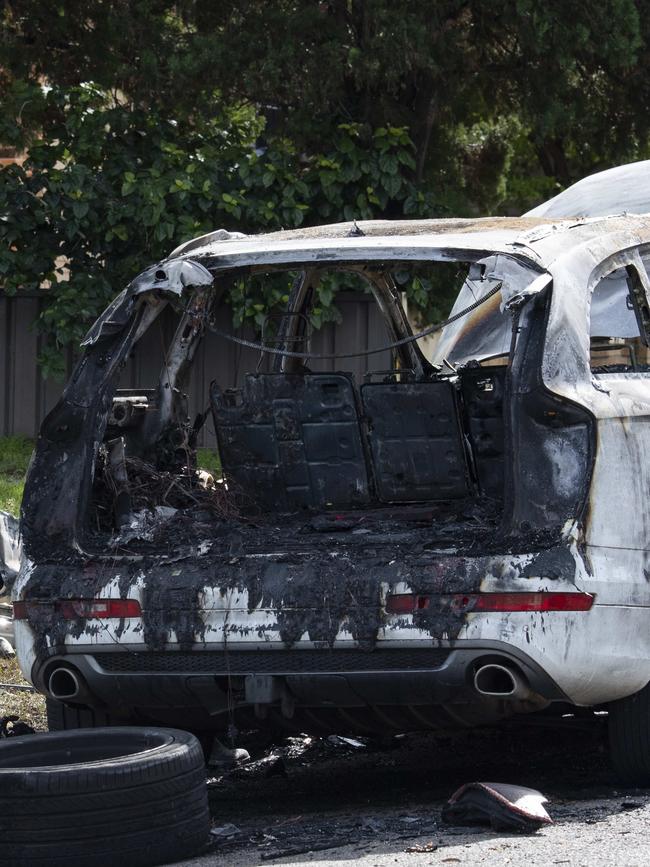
x,y
326,802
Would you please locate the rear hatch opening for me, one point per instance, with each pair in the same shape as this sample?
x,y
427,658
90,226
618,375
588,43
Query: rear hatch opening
x,y
441,440
397,446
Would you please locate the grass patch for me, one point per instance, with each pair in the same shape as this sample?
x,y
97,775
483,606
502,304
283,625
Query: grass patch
x,y
11,494
29,706
15,453
208,459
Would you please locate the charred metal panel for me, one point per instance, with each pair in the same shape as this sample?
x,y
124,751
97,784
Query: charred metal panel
x,y
55,510
551,438
58,483
483,393
320,596
416,441
291,440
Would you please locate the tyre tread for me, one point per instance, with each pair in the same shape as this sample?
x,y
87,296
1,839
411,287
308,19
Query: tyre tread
x,y
629,737
137,809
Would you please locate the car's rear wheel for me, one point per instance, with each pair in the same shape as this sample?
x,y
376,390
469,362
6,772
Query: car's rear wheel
x,y
67,717
629,737
63,717
105,797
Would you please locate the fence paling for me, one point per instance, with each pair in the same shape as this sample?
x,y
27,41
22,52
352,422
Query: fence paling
x,y
26,398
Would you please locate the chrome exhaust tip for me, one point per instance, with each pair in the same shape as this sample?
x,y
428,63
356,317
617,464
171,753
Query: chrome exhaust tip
x,y
500,681
64,685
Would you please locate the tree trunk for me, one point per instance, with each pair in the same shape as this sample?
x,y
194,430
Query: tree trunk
x,y
553,160
424,140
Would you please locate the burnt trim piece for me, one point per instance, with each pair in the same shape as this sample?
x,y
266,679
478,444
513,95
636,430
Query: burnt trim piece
x,y
275,661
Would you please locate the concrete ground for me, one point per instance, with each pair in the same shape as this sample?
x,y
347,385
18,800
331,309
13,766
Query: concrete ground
x,y
326,801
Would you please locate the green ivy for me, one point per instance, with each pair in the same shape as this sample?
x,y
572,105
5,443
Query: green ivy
x,y
110,189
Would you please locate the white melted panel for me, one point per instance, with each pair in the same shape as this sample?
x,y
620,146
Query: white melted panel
x,y
116,632
622,188
261,624
506,568
605,654
565,366
595,656
618,576
22,579
610,314
25,652
618,514
111,590
621,395
422,246
567,473
215,599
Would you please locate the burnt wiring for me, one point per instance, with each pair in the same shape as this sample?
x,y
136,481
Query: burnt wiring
x,y
251,344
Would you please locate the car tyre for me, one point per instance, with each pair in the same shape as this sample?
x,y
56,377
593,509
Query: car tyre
x,y
104,797
629,737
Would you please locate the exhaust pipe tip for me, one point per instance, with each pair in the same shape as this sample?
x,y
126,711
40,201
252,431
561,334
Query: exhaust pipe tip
x,y
64,685
500,681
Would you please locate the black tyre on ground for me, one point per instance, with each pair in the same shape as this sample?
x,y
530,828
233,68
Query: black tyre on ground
x,y
104,797
629,737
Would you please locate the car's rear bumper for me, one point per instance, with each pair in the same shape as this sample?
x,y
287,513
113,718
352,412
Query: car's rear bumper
x,y
285,683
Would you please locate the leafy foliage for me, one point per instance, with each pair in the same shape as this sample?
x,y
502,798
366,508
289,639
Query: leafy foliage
x,y
151,121
574,71
110,190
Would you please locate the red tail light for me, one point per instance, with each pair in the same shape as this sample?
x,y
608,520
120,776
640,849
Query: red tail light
x,y
72,609
406,603
409,603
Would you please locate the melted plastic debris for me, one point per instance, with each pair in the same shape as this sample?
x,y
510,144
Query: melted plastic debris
x,y
502,806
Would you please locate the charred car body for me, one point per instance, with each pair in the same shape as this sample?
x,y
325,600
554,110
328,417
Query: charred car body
x,y
447,543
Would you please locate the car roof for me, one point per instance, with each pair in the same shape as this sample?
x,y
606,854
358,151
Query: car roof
x,y
536,240
622,189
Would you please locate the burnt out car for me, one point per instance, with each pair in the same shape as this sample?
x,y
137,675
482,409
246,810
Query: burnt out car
x,y
451,539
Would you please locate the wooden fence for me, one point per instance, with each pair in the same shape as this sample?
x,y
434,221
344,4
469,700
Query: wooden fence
x,y
25,397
